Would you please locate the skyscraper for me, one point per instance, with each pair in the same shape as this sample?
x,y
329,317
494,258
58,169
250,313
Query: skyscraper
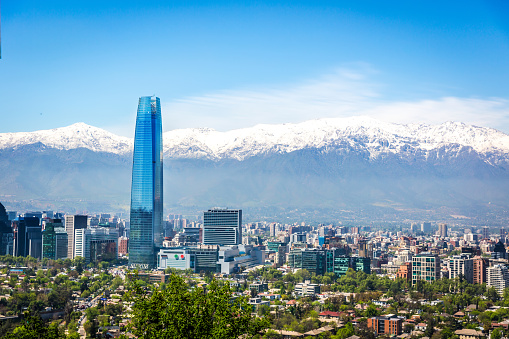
x,y
222,227
6,233
442,230
146,233
73,223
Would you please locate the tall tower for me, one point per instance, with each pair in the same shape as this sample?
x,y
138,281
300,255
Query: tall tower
x,y
146,233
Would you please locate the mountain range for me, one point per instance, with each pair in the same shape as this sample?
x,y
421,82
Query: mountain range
x,y
343,168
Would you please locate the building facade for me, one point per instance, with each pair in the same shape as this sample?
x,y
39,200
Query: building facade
x,y
146,218
27,237
498,277
442,230
425,266
54,241
386,325
461,266
6,233
72,223
222,227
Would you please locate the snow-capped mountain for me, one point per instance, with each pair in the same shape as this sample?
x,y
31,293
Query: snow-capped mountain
x,y
328,165
375,137
78,135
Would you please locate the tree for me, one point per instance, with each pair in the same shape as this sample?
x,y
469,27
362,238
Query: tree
x,y
180,312
496,334
34,328
344,332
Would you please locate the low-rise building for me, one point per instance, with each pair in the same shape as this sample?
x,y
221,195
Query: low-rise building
x,y
385,325
307,289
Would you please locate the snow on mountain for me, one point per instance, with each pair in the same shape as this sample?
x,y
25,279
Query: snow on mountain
x,y
71,137
375,136
357,133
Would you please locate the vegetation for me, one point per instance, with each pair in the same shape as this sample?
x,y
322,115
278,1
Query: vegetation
x,y
180,312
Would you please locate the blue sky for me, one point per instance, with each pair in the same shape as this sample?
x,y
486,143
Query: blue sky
x,y
233,64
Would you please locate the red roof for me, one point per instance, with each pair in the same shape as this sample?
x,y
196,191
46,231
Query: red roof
x,y
330,314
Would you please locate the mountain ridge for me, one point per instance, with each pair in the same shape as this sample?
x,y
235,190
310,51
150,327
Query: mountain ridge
x,y
375,136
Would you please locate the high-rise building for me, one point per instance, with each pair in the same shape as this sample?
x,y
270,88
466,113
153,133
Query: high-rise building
x,y
426,227
146,232
442,230
485,232
222,227
73,223
498,277
27,237
54,240
6,233
425,266
461,266
480,266
96,244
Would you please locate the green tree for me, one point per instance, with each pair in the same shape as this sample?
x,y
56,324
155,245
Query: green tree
x,y
34,328
345,332
180,312
496,334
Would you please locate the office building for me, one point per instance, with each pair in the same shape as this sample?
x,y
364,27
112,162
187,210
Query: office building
x,y
461,266
73,223
96,244
426,227
498,277
27,237
54,240
442,230
146,218
211,258
485,232
414,228
310,259
6,233
307,289
499,251
425,266
222,227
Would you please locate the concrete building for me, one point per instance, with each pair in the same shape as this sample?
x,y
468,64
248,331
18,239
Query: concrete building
x,y
405,271
212,258
96,243
425,266
442,230
73,223
386,325
461,266
222,227
426,227
480,266
307,289
498,277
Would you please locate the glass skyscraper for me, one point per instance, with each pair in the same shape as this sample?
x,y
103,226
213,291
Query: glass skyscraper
x,y
146,233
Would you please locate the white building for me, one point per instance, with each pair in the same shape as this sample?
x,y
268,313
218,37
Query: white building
x,y
461,265
498,277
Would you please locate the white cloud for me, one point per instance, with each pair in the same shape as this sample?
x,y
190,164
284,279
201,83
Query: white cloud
x,y
345,92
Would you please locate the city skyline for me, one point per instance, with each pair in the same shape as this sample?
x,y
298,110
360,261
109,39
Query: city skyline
x,y
245,64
